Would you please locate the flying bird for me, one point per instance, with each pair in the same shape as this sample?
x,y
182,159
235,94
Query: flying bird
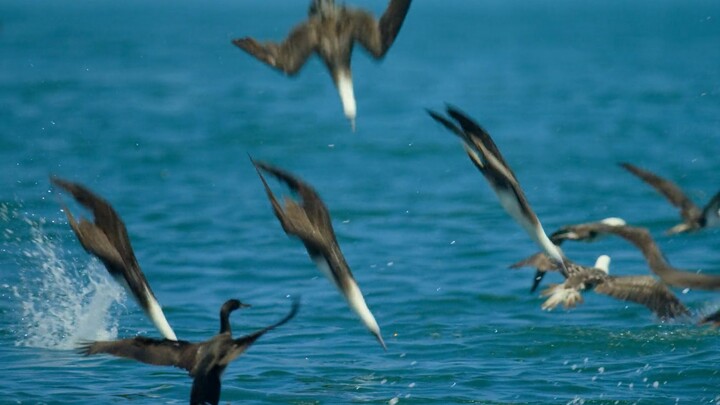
x,y
309,221
107,239
641,239
487,158
693,217
331,31
205,361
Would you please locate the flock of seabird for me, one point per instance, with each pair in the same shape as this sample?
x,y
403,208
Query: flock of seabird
x,y
331,31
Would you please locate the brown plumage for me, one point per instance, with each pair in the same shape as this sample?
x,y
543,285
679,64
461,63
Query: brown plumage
x,y
693,217
107,239
641,238
331,31
309,221
205,361
644,290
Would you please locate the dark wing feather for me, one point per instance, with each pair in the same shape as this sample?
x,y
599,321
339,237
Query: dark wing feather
x,y
288,56
240,345
644,290
670,190
539,260
159,352
378,36
107,239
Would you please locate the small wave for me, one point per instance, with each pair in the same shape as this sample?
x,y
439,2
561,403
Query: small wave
x,y
59,302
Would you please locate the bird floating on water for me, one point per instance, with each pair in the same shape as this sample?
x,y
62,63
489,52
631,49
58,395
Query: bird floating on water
x,y
331,31
205,361
107,239
309,221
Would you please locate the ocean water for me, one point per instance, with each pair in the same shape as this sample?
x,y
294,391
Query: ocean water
x,y
152,107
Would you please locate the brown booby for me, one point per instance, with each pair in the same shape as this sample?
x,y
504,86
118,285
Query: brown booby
x,y
309,221
331,31
107,239
205,361
487,158
693,217
641,238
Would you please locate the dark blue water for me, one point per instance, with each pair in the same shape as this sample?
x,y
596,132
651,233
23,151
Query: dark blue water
x,y
153,108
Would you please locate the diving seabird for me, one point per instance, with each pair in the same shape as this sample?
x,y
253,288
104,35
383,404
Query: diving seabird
x,y
310,222
693,217
331,31
205,361
107,239
485,155
641,238
543,266
487,158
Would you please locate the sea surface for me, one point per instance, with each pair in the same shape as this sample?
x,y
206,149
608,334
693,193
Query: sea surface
x,y
151,106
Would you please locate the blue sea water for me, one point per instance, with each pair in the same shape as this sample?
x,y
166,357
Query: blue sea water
x,y
150,105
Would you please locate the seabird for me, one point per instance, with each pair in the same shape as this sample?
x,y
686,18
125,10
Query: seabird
x,y
205,361
309,221
543,266
486,156
641,238
644,290
331,31
107,239
693,217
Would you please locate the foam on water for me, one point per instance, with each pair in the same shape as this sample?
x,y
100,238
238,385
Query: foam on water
x,y
60,302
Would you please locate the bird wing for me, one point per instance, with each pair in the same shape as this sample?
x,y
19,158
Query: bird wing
x,y
539,260
288,56
487,158
644,290
670,190
243,343
159,352
378,36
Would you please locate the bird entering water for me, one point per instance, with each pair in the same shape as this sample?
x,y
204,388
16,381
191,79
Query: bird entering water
x,y
107,239
331,31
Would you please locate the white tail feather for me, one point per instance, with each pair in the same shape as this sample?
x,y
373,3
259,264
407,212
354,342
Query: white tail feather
x,y
558,294
347,95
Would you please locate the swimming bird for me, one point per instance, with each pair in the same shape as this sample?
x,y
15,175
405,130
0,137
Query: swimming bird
x,y
487,158
205,361
106,238
331,31
693,217
641,238
542,263
309,221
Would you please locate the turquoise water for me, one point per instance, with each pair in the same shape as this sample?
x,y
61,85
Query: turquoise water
x,y
153,108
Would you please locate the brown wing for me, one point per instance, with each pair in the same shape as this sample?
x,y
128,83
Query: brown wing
x,y
378,36
670,190
181,354
712,209
644,290
107,239
539,260
288,56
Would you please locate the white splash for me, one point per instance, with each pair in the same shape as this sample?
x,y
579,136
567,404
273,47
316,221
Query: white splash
x,y
61,302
